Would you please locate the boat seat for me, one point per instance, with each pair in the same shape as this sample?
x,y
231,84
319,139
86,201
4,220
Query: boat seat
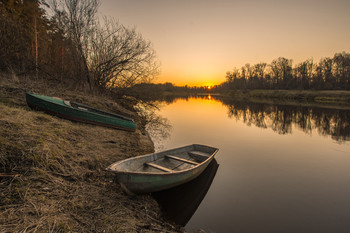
x,y
158,167
181,159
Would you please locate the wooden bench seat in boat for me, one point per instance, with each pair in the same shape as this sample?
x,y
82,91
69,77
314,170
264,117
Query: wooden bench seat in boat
x,y
170,157
181,159
158,167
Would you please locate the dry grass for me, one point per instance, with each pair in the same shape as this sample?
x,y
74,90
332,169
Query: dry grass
x,y
52,176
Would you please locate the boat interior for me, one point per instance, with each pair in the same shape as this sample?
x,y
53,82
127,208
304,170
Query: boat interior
x,y
177,162
168,161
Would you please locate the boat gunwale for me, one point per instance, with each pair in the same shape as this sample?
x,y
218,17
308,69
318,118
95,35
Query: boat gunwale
x,y
109,168
102,113
79,119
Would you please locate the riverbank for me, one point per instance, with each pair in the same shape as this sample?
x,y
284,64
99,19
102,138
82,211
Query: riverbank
x,y
52,171
328,97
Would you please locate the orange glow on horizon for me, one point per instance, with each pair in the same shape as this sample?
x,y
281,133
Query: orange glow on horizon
x,y
197,77
207,83
198,48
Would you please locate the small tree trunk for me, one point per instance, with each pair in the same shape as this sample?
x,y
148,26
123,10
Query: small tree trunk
x,y
36,47
61,62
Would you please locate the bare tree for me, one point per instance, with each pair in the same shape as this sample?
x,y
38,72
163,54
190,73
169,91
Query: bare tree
x,y
248,71
259,70
110,54
120,57
341,70
303,73
324,71
232,76
79,20
281,71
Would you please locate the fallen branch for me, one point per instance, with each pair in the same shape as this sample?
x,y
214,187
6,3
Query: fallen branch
x,y
8,175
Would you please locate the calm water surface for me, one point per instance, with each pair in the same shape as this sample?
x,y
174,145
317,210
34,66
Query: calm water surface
x,y
281,168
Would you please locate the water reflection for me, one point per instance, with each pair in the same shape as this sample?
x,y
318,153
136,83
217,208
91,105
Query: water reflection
x,y
158,127
172,99
268,179
180,203
280,118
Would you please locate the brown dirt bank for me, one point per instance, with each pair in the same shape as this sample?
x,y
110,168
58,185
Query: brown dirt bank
x,y
52,176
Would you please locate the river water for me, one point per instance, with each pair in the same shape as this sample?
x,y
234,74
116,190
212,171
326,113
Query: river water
x,y
280,168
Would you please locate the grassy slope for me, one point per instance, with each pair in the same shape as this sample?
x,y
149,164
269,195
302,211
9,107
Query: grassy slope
x,y
52,176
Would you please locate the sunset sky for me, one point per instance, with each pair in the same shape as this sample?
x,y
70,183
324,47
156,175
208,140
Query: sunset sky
x,y
198,41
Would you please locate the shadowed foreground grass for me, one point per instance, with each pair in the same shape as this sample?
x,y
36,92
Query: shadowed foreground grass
x,y
52,176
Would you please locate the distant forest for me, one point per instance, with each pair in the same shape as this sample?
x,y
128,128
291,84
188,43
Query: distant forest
x,y
162,91
327,74
66,41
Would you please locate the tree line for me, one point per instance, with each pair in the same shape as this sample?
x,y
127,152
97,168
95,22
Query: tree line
x,y
66,40
327,74
162,91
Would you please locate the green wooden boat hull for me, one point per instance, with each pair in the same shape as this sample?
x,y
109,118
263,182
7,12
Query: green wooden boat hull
x,y
79,112
136,176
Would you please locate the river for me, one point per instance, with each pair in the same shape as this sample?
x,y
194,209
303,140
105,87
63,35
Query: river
x,y
281,168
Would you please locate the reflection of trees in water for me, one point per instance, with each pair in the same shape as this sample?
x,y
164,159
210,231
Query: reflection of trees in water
x,y
280,118
337,125
173,98
157,126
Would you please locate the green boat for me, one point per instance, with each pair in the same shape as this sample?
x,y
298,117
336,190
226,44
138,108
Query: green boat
x,y
79,112
163,170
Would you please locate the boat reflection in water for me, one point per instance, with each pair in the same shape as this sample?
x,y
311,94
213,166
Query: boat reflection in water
x,y
180,203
